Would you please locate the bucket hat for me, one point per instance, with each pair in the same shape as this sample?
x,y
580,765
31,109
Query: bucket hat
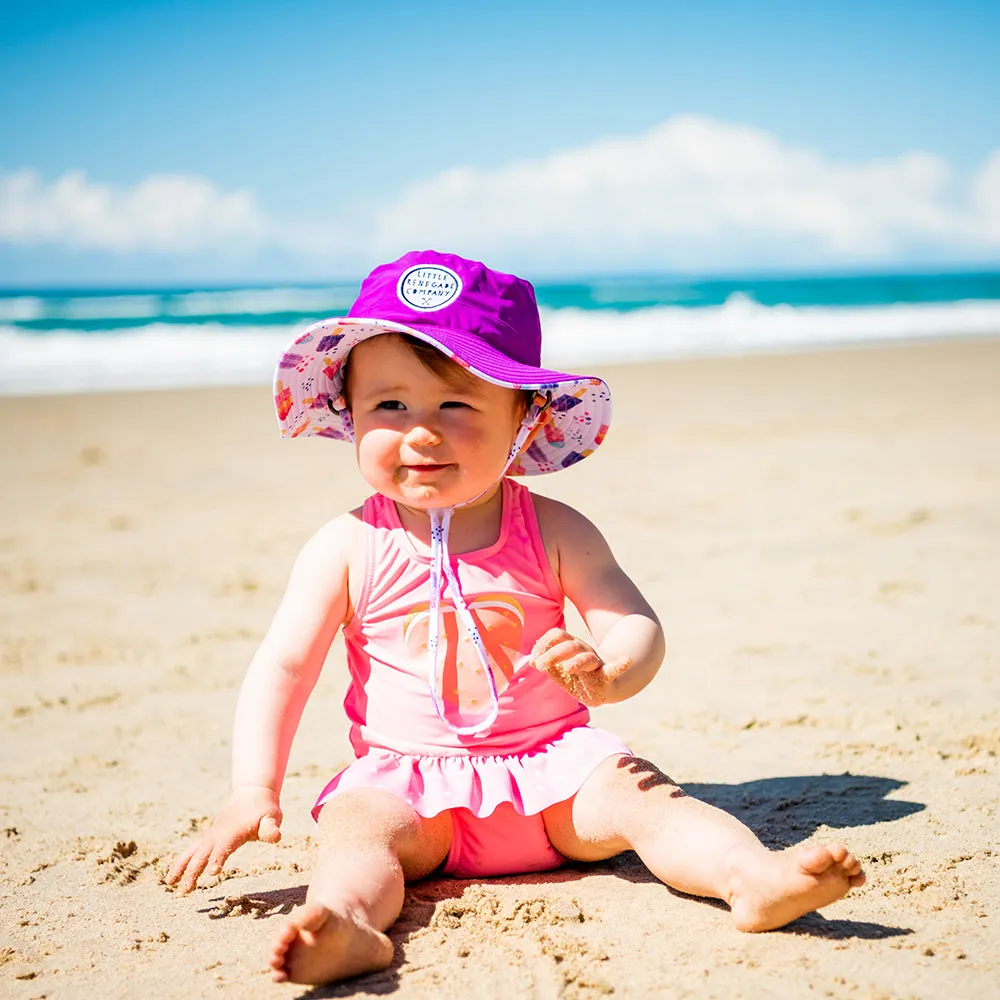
x,y
485,320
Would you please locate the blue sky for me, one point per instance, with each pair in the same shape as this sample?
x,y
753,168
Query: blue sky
x,y
220,141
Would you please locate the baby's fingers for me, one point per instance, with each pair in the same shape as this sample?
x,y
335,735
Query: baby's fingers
x,y
565,656
268,830
546,641
195,866
178,867
614,669
551,663
586,661
215,861
230,842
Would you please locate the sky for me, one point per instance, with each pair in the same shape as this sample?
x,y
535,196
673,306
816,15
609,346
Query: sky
x,y
222,142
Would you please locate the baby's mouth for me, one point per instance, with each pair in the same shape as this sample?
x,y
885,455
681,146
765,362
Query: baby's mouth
x,y
427,467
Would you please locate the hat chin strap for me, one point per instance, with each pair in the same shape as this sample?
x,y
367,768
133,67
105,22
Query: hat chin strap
x,y
441,567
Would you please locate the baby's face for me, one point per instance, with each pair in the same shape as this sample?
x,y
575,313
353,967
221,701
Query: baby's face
x,y
423,440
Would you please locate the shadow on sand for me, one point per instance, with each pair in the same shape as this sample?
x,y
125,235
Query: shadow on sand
x,y
785,811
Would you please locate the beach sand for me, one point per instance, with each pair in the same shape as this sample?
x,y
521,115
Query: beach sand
x,y
821,536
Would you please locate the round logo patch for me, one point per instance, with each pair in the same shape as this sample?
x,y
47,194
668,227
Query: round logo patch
x,y
428,287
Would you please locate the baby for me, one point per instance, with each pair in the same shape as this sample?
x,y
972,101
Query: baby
x,y
468,699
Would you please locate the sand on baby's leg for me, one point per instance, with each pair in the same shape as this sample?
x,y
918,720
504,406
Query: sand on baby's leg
x,y
370,843
628,803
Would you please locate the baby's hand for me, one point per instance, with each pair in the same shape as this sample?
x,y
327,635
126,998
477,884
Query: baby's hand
x,y
250,814
576,666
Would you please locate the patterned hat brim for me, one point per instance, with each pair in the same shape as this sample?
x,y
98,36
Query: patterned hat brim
x,y
309,398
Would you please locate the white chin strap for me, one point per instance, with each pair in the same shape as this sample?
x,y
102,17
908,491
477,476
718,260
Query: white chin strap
x,y
441,567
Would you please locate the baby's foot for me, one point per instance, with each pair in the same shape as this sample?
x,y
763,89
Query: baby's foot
x,y
770,889
317,946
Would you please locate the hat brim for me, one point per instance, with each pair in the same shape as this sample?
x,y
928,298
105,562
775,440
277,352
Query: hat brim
x,y
308,389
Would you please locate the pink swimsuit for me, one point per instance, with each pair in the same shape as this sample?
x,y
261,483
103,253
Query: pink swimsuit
x,y
540,749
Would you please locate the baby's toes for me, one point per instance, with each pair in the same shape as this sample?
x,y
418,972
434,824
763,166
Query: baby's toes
x,y
309,919
855,873
839,854
851,865
819,858
279,951
286,935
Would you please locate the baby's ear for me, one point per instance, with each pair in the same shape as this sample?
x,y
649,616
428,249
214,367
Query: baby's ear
x,y
523,402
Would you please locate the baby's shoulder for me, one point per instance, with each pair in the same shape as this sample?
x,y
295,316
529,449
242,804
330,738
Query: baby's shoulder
x,y
557,519
336,542
320,577
341,528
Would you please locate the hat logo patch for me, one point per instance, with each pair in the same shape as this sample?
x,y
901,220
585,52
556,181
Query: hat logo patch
x,y
428,287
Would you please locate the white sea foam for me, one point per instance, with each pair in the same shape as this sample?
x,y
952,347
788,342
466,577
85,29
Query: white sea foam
x,y
164,355
97,307
20,309
156,356
741,325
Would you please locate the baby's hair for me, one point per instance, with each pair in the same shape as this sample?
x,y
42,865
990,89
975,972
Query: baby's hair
x,y
439,364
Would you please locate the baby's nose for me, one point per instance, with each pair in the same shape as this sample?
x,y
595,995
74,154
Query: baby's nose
x,y
423,434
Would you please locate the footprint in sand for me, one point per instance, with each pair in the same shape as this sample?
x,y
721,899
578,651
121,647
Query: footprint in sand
x,y
242,906
124,863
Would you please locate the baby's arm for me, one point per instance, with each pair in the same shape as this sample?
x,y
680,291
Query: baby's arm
x,y
277,685
630,643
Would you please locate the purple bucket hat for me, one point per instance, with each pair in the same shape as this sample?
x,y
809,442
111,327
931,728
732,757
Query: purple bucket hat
x,y
485,320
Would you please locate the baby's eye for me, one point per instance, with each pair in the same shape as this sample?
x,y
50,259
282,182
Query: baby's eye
x,y
449,404
390,404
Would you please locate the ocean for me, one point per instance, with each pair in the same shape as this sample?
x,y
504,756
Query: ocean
x,y
83,340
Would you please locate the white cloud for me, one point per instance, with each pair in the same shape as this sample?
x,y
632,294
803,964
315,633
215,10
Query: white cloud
x,y
697,192
693,192
175,213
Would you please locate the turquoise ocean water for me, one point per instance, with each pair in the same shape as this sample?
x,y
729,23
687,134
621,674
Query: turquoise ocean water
x,y
66,340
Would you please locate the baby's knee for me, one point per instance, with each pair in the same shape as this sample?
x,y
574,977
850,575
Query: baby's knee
x,y
371,819
367,815
625,796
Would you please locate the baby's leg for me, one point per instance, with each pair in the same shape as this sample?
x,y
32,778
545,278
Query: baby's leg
x,y
369,842
694,847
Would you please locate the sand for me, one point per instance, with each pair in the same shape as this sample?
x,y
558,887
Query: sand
x,y
821,535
